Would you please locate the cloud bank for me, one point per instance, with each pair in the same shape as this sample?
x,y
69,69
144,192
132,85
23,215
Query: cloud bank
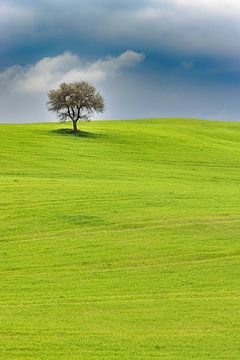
x,y
206,28
50,72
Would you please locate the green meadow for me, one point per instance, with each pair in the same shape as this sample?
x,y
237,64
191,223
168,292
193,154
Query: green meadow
x,y
122,243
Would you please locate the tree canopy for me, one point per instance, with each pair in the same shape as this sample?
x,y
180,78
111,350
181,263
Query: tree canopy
x,y
75,101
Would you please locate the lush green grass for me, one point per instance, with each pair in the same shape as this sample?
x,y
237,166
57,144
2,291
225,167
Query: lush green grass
x,y
120,244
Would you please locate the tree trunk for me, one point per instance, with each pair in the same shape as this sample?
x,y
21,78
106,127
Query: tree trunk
x,y
75,129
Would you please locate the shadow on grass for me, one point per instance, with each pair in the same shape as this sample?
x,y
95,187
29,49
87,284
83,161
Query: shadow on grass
x,y
79,133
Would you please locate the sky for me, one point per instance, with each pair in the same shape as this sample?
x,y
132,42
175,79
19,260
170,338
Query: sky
x,y
148,58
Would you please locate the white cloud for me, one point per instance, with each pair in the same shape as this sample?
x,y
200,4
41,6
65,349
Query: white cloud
x,y
14,20
216,7
203,27
10,13
187,64
67,67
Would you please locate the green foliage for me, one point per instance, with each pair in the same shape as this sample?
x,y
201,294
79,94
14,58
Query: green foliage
x,y
120,244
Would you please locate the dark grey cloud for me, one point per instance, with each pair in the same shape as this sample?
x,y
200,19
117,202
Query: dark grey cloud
x,y
205,28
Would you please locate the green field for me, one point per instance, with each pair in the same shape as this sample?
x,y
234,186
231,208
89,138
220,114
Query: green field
x,y
123,243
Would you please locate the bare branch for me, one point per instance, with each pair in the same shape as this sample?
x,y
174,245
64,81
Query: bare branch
x,y
75,101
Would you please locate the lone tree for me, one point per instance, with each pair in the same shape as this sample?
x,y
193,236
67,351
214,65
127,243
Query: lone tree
x,y
75,101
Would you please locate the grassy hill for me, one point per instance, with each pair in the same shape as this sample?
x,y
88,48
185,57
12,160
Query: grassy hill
x,y
120,244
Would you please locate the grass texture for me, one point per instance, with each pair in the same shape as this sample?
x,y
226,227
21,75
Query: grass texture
x,y
122,243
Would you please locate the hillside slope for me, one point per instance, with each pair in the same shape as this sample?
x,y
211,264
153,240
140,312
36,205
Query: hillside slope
x,y
120,244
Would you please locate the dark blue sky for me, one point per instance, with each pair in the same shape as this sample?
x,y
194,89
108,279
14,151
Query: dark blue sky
x,y
150,58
